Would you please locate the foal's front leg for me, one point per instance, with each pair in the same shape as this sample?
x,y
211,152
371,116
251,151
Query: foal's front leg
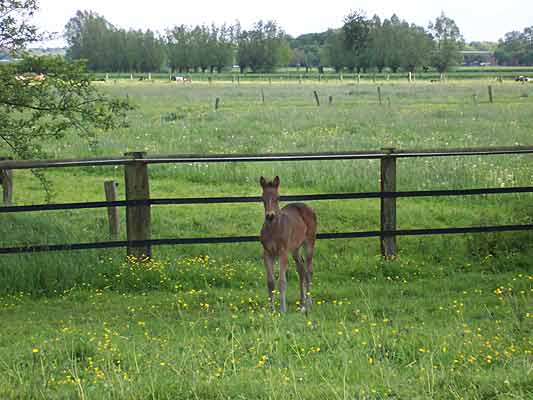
x,y
283,260
269,267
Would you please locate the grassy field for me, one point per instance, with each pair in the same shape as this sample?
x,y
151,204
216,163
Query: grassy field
x,y
451,317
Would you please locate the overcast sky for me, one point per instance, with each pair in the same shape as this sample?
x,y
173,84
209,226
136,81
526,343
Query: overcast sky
x,y
477,19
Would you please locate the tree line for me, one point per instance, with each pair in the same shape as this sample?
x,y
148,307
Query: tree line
x,y
516,48
181,48
361,44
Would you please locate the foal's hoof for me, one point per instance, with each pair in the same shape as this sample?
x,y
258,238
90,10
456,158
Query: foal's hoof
x,y
308,302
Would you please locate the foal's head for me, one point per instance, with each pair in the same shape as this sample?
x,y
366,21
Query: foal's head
x,y
270,198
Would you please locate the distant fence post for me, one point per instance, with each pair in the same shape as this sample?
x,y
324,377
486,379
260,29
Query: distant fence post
x,y
388,205
110,188
317,100
6,180
490,94
379,95
137,217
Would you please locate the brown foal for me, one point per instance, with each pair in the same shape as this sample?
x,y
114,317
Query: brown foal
x,y
285,231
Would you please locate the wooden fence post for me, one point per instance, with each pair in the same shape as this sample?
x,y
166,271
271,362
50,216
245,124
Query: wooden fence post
x,y
137,217
490,93
379,94
316,98
388,205
6,180
217,103
110,188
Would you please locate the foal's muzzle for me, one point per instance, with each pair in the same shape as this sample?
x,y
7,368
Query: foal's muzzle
x,y
269,217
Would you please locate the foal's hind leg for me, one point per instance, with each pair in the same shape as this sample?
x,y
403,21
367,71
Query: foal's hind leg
x,y
300,267
309,248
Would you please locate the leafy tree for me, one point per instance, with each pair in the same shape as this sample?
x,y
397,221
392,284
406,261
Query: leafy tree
x,y
85,33
43,99
223,48
201,47
308,48
516,48
334,52
378,44
263,47
356,31
15,29
178,48
448,43
417,48
394,42
106,48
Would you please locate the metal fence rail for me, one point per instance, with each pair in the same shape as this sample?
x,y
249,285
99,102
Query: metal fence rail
x,y
133,157
246,239
256,199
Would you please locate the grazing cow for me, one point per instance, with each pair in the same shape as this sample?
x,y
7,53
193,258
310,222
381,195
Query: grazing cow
x,y
521,78
34,78
183,79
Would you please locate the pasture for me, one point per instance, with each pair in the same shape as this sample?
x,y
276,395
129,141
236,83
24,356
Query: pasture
x,y
450,317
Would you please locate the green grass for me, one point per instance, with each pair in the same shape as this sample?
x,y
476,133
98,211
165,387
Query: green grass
x,y
451,317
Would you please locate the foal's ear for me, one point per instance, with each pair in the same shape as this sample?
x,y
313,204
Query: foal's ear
x,y
262,181
275,182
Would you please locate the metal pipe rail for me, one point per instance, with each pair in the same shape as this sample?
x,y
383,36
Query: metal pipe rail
x,y
209,158
256,199
246,239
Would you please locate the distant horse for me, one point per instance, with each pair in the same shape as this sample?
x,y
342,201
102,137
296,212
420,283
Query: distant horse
x,y
285,231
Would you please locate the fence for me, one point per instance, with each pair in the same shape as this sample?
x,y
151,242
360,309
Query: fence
x,y
138,202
